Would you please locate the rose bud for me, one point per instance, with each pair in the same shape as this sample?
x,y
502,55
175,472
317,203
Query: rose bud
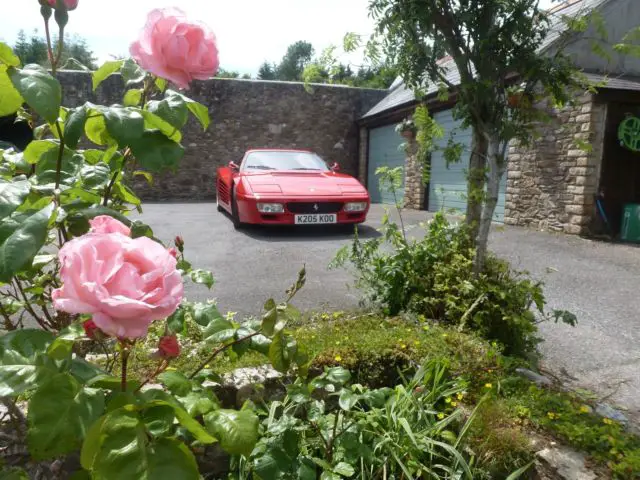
x,y
168,347
92,331
179,241
69,4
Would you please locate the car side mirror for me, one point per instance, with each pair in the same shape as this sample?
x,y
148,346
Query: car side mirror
x,y
335,167
234,166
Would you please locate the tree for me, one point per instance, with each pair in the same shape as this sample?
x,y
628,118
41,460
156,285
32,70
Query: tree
x,y
267,71
34,50
292,65
495,46
222,73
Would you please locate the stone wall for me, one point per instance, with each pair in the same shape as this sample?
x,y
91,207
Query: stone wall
x,y
414,186
552,185
247,114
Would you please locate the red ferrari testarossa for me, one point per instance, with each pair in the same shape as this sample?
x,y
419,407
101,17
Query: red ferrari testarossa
x,y
289,187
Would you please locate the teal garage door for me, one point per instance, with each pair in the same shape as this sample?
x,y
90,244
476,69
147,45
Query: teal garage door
x,y
384,150
448,185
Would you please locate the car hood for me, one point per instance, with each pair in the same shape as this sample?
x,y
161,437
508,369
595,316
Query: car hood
x,y
304,184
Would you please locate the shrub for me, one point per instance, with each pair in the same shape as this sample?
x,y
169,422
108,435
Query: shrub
x,y
433,276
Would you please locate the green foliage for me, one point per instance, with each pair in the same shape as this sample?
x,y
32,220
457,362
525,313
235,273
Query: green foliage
x,y
291,66
434,277
408,431
33,49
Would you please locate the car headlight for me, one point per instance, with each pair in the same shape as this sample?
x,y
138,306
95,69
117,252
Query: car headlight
x,y
270,208
355,207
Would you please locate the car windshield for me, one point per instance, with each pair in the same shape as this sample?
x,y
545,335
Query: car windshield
x,y
275,160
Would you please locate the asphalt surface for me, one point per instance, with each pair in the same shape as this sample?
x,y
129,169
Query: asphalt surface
x,y
597,281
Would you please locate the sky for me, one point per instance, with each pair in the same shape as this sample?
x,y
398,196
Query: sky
x,y
248,31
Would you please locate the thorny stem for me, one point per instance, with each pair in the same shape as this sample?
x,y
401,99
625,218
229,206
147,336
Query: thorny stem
x,y
159,369
60,47
125,359
221,349
114,178
27,305
60,154
332,439
49,50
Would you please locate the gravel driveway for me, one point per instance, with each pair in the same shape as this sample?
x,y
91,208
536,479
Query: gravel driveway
x,y
599,282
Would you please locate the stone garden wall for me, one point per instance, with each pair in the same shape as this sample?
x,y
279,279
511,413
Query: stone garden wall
x,y
247,114
552,185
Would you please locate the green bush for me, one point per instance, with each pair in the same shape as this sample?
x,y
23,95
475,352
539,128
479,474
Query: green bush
x,y
434,277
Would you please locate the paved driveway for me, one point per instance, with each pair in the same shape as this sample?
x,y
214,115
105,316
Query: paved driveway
x,y
599,282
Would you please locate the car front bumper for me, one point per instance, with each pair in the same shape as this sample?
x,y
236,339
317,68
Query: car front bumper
x,y
248,209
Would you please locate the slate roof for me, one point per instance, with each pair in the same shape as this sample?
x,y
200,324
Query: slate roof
x,y
400,95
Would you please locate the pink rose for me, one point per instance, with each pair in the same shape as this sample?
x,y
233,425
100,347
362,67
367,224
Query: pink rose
x,y
124,283
107,224
175,48
70,4
173,252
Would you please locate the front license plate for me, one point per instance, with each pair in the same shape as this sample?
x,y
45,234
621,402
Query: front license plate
x,y
316,219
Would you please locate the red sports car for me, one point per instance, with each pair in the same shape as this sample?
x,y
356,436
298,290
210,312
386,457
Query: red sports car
x,y
289,187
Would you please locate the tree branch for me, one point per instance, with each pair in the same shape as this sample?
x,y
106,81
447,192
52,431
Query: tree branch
x,y
221,349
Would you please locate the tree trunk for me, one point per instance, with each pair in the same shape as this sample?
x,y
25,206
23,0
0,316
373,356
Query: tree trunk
x,y
476,181
496,160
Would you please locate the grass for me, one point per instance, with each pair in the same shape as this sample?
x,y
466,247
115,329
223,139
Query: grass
x,y
377,350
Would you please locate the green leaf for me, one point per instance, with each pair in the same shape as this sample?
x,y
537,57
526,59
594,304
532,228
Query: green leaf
x,y
37,148
95,129
61,347
139,229
39,89
95,176
161,83
124,193
347,399
344,469
206,313
203,277
107,69
19,350
24,243
7,56
160,397
58,427
237,431
156,152
270,318
521,471
124,124
260,344
338,375
69,167
10,100
131,72
74,126
176,382
132,97
199,403
158,420
147,176
172,109
13,473
197,109
12,194
278,355
171,460
306,471
175,322
154,122
219,330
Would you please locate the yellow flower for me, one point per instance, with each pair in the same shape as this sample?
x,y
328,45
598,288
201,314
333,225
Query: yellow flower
x,y
490,371
460,395
416,343
454,404
207,366
338,358
441,416
584,409
337,342
448,400
170,369
552,415
488,385
445,334
425,328
403,346
608,421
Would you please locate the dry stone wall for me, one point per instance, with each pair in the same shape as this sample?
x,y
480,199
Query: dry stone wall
x,y
247,114
551,185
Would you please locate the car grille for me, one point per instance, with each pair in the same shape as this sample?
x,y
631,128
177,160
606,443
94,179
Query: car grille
x,y
314,207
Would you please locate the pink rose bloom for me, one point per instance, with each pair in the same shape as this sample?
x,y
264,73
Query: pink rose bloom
x,y
107,224
175,48
70,4
124,283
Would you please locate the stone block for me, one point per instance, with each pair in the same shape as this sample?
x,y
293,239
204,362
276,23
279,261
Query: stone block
x,y
575,153
582,161
572,229
575,209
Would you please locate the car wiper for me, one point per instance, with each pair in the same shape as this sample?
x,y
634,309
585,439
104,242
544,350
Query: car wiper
x,y
260,167
306,168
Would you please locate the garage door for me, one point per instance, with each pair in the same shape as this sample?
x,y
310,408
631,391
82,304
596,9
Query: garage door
x,y
384,150
448,185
